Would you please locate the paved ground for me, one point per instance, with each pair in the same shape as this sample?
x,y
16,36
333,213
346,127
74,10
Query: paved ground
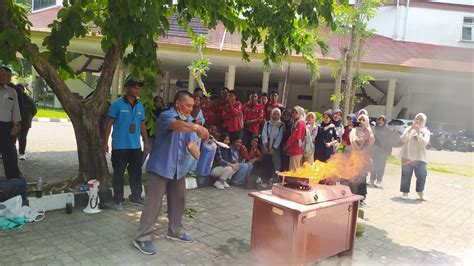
x,y
436,232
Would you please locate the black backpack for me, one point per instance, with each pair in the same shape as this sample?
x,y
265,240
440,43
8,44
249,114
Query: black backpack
x,y
13,187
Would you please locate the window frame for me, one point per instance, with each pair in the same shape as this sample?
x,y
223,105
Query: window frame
x,y
467,25
33,10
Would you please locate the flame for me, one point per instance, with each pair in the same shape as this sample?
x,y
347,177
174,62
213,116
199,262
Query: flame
x,y
344,166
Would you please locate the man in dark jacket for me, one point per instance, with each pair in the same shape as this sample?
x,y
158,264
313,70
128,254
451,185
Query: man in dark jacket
x,y
29,111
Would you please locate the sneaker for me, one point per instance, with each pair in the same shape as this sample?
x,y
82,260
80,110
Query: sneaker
x,y
219,184
22,157
139,202
362,204
118,206
378,184
145,247
259,180
225,184
404,196
421,196
185,238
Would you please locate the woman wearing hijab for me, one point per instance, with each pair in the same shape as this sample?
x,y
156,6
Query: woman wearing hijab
x,y
294,145
326,138
380,151
351,123
313,130
272,135
413,153
337,121
287,120
362,138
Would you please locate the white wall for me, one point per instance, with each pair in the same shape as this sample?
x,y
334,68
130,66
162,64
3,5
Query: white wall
x,y
423,25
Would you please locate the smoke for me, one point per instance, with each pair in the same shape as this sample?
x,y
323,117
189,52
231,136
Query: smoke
x,y
344,166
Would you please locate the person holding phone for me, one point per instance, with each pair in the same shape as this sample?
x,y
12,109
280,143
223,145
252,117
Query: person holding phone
x,y
415,138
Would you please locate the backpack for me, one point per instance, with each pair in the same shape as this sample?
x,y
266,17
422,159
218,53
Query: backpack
x,y
308,145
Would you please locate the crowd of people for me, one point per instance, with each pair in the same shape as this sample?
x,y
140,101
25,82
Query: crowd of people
x,y
256,139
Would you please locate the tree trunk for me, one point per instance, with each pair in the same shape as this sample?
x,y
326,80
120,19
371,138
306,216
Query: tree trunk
x,y
84,115
360,53
349,73
286,86
92,162
338,79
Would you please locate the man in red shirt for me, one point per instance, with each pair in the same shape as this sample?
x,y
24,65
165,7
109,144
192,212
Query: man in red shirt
x,y
209,110
272,104
253,117
232,116
221,103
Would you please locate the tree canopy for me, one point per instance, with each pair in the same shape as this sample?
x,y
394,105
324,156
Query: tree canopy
x,y
130,29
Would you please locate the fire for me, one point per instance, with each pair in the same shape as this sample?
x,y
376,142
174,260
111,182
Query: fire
x,y
344,166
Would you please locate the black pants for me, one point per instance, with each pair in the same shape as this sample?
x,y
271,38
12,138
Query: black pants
x,y
132,161
358,185
22,139
8,151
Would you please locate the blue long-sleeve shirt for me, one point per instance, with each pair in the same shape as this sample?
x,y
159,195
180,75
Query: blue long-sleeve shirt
x,y
266,134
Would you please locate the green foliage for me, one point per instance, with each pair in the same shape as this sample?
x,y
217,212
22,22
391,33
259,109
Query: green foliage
x,y
14,35
360,80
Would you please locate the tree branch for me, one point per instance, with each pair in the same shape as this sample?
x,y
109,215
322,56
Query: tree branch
x,y
104,83
52,78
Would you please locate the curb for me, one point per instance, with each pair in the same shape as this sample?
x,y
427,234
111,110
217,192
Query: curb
x,y
45,119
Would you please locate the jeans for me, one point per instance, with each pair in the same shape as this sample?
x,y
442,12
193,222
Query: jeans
x,y
244,172
419,167
378,171
276,159
130,159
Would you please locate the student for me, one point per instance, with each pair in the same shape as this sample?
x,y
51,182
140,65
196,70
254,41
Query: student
x,y
293,146
381,149
313,130
326,138
415,138
272,136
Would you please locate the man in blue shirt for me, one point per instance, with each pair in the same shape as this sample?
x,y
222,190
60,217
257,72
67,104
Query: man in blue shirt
x,y
127,115
166,170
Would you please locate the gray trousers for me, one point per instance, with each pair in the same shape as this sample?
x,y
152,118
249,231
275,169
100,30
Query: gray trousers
x,y
155,189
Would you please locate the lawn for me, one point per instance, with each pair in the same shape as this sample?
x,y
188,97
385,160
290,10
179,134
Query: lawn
x,y
51,113
455,169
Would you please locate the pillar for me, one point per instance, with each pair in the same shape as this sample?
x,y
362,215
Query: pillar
x,y
315,88
89,78
168,96
265,81
158,91
392,83
226,78
231,77
191,82
281,84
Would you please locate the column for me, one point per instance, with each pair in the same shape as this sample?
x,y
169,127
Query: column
x,y
265,81
315,88
168,96
191,82
158,91
89,78
392,83
281,84
226,78
231,77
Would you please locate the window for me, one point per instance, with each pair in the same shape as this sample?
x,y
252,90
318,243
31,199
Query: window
x,y
40,4
467,28
395,123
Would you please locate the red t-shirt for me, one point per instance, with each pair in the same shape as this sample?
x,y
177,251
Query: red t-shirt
x,y
269,107
255,153
230,115
252,112
210,114
297,135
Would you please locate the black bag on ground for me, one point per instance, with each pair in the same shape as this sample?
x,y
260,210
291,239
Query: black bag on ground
x,y
13,187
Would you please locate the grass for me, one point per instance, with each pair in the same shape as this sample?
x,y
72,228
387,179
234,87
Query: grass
x,y
455,169
51,113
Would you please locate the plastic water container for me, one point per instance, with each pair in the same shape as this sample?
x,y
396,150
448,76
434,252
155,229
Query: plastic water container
x,y
208,151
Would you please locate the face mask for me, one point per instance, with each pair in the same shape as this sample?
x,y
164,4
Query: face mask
x,y
182,117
